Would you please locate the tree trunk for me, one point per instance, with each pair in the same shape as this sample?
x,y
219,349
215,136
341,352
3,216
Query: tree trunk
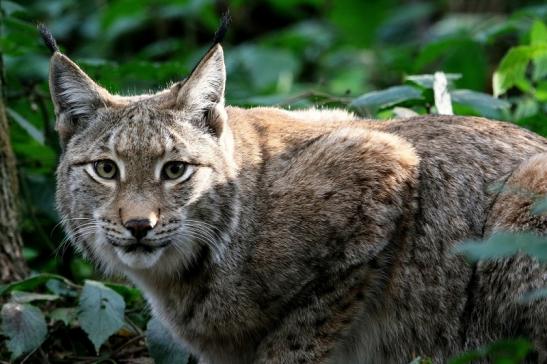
x,y
12,264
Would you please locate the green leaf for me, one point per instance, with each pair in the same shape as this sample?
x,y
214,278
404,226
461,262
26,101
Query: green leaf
x,y
25,326
502,351
64,314
27,297
101,312
162,346
129,294
534,295
386,98
248,62
538,35
512,69
526,107
540,206
31,283
504,244
483,103
426,81
61,288
9,7
25,124
541,91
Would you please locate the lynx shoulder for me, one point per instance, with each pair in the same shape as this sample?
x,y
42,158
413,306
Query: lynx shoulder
x,y
271,236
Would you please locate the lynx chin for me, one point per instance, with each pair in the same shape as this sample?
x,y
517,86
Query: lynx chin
x,y
271,236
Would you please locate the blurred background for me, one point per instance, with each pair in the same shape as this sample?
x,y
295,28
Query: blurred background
x,y
375,57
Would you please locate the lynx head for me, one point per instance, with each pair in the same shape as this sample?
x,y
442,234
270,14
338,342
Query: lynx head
x,y
145,182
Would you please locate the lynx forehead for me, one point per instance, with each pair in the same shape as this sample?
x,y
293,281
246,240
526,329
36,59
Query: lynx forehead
x,y
271,236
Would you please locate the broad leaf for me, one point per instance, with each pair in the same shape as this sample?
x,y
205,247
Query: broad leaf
x,y
540,206
61,288
526,107
512,69
25,326
534,295
538,35
504,244
502,351
162,346
483,103
386,98
64,314
101,312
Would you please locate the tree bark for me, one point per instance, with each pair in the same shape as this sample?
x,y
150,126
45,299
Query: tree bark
x,y
12,264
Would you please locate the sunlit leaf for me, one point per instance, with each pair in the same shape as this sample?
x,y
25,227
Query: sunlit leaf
x,y
512,69
538,35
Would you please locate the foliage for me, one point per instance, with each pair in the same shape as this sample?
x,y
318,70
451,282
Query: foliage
x,y
377,58
501,352
24,325
504,244
58,309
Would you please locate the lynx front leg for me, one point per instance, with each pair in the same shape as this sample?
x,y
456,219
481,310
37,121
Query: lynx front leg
x,y
310,333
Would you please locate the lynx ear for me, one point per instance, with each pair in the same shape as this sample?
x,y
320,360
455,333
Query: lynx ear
x,y
75,95
201,95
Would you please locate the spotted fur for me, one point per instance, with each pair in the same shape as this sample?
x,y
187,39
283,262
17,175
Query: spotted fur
x,y
302,236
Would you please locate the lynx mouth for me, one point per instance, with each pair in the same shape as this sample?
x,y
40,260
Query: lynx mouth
x,y
140,247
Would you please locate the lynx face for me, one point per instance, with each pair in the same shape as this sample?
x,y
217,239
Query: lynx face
x,y
145,182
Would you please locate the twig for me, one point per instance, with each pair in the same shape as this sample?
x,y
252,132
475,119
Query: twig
x,y
128,342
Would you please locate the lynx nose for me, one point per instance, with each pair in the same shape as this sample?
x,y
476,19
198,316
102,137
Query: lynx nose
x,y
139,227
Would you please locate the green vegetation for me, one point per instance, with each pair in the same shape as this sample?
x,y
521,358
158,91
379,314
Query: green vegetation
x,y
375,57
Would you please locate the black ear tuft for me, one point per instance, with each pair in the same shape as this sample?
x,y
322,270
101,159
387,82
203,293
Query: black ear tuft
x,y
47,37
221,31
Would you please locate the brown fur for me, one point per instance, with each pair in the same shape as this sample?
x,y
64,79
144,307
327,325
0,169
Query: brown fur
x,y
309,236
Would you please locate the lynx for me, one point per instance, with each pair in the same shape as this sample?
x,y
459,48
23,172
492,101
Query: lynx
x,y
264,235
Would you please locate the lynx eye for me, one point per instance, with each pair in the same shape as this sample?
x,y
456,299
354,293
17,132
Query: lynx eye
x,y
174,170
106,169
